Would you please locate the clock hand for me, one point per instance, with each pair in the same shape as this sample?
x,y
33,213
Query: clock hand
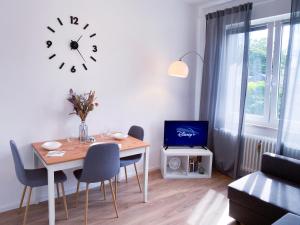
x,y
80,54
79,38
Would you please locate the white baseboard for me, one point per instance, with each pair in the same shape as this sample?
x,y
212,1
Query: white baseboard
x,y
69,189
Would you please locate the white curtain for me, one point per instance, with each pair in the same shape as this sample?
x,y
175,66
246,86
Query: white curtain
x,y
229,95
289,126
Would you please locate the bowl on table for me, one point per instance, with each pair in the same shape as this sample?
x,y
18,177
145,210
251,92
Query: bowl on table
x,y
119,136
51,145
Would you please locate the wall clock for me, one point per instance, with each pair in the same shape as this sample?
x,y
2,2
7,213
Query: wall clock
x,y
71,44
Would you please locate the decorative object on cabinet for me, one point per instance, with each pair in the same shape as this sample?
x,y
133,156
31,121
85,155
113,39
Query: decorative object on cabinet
x,y
174,163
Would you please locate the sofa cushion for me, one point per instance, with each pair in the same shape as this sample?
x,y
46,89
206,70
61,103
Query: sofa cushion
x,y
281,166
265,194
288,219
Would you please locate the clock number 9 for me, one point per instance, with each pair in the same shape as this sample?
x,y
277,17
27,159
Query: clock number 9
x,y
74,20
73,70
95,48
48,43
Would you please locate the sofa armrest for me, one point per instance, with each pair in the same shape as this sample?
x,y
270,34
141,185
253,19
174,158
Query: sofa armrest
x,y
281,166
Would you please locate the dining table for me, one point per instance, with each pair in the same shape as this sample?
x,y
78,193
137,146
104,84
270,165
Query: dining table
x,y
75,152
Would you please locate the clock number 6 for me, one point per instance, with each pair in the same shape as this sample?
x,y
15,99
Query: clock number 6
x,y
95,48
74,20
48,43
73,70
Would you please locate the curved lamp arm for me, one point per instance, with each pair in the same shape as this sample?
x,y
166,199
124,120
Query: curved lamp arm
x,y
180,68
191,52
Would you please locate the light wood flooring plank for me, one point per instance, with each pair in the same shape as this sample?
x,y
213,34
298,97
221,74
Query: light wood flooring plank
x,y
179,202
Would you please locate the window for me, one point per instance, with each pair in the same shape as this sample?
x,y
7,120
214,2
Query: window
x,y
268,44
257,74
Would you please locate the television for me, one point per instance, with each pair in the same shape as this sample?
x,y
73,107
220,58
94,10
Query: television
x,y
185,133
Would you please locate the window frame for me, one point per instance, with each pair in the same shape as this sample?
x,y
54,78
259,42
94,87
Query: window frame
x,y
262,120
274,41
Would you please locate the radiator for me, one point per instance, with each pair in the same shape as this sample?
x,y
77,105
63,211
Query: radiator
x,y
254,146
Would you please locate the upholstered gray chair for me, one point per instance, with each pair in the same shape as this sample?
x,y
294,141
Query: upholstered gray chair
x,y
138,133
34,178
101,163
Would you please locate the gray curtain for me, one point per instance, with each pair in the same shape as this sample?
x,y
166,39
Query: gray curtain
x,y
224,83
288,141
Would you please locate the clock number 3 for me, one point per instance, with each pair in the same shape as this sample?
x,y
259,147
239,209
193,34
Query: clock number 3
x,y
48,43
73,70
74,20
95,48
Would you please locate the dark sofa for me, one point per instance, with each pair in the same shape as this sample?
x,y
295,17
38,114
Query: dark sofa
x,y
264,196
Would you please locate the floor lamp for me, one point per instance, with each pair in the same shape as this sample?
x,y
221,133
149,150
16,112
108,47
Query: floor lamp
x,y
180,68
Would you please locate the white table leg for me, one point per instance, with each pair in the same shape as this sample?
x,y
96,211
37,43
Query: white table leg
x,y
146,167
35,194
210,165
35,161
51,201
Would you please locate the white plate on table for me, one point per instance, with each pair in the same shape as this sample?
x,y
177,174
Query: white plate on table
x,y
51,145
119,136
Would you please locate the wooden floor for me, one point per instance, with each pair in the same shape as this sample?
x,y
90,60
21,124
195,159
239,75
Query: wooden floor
x,y
171,202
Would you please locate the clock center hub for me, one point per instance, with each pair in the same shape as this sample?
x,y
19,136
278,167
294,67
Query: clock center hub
x,y
74,45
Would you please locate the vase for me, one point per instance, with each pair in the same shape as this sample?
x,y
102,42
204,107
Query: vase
x,y
83,132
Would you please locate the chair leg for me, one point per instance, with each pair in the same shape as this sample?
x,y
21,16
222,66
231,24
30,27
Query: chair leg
x,y
126,174
114,198
86,204
77,194
104,191
27,206
116,186
64,200
22,198
137,176
57,189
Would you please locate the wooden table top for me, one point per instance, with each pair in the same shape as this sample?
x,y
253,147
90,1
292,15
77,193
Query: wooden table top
x,y
74,150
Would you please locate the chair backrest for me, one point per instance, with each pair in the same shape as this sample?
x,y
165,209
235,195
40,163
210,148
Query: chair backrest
x,y
102,162
136,132
19,166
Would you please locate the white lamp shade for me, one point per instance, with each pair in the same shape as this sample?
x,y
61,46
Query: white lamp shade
x,y
178,69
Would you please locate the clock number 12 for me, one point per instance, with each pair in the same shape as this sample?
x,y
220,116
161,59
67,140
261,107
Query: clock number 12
x,y
74,20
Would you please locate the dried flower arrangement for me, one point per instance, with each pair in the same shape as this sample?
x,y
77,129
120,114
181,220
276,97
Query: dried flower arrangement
x,y
82,104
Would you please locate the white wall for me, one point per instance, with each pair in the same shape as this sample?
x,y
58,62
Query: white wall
x,y
137,40
261,9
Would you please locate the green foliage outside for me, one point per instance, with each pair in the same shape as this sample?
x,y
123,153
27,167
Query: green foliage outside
x,y
256,80
255,97
257,56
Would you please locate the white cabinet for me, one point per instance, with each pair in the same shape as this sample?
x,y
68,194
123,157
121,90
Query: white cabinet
x,y
186,155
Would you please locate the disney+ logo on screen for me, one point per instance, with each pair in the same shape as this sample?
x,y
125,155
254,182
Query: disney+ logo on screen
x,y
186,132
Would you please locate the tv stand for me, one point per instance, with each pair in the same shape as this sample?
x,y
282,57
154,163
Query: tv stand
x,y
185,154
